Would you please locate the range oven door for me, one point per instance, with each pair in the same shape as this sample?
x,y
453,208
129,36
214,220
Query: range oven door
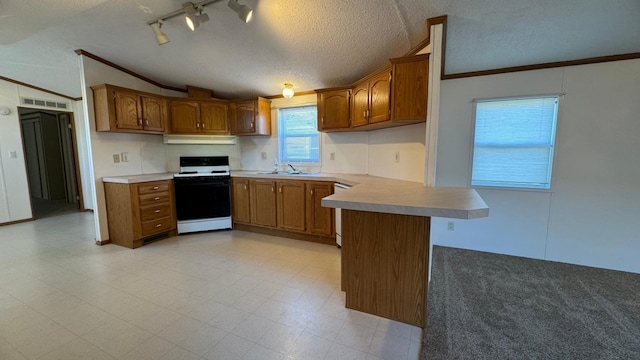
x,y
202,197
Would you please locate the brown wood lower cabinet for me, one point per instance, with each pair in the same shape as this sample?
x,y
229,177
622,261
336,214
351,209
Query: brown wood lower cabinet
x,y
289,208
141,212
385,262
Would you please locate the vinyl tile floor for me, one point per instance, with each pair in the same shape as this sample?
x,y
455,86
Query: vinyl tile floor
x,y
216,295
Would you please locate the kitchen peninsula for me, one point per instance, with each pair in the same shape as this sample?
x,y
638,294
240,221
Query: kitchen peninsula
x,y
385,230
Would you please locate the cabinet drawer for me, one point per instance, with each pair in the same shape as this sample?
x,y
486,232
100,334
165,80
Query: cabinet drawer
x,y
156,226
154,198
151,212
152,187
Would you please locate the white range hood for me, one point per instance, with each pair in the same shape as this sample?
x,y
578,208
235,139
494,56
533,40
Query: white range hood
x,y
199,139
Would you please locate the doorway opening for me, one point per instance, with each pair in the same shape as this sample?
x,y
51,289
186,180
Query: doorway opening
x,y
51,155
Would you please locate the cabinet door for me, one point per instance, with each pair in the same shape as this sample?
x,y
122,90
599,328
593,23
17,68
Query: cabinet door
x,y
153,110
185,117
319,218
360,105
333,109
128,110
241,201
291,205
409,95
213,118
244,116
263,203
380,98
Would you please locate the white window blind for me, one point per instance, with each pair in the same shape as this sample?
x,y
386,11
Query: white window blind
x,y
298,139
514,141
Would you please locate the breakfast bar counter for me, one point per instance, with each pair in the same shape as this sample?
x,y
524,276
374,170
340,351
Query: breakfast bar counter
x,y
385,238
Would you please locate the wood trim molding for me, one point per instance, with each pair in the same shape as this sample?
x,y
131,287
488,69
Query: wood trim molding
x,y
435,21
16,222
594,60
550,65
103,242
39,88
127,71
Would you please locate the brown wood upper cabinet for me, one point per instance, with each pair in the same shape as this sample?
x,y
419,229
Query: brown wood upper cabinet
x,y
333,109
409,88
393,96
199,117
250,117
124,110
371,99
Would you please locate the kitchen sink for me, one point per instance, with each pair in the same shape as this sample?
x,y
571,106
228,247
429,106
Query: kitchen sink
x,y
281,172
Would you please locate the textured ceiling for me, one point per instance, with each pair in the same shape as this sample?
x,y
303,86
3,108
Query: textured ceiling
x,y
310,43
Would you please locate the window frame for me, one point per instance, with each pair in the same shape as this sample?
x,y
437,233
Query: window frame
x,y
281,137
552,167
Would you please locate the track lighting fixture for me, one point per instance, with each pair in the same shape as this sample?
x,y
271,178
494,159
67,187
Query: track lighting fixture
x,y
161,37
194,16
244,12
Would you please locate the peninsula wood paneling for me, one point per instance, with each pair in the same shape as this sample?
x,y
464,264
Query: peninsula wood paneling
x,y
385,264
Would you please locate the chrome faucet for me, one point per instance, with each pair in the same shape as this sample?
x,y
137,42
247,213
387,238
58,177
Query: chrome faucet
x,y
293,170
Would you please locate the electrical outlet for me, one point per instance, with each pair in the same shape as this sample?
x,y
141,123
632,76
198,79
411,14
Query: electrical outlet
x,y
264,155
116,158
13,154
397,156
450,225
124,157
332,156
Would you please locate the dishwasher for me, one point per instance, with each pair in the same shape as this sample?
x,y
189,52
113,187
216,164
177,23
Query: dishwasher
x,y
337,187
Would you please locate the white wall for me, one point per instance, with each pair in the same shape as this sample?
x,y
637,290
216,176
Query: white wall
x,y
147,154
15,203
588,217
365,152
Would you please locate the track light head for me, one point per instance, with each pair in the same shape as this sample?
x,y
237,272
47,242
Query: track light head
x,y
161,37
244,12
194,15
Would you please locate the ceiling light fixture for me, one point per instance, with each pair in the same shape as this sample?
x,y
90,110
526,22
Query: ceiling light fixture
x,y
161,37
287,91
194,16
244,12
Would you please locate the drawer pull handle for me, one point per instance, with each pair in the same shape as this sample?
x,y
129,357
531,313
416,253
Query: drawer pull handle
x,y
155,188
157,211
156,198
158,225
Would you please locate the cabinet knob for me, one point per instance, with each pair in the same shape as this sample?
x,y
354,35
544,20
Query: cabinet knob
x,y
272,189
157,211
245,187
252,125
146,122
158,225
156,198
203,125
155,188
280,188
198,125
364,114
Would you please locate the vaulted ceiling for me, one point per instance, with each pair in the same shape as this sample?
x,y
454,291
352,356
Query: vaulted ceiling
x,y
310,43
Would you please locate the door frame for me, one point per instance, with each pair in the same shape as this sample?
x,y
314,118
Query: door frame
x,y
74,141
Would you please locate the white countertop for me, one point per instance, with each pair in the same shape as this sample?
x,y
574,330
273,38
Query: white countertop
x,y
377,194
132,179
370,193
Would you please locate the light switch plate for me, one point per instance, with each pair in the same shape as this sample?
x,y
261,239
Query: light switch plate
x,y
116,158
